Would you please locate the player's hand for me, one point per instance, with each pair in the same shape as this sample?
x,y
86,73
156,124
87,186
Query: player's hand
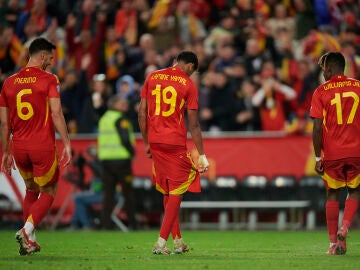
x,y
147,151
7,163
319,168
66,156
203,164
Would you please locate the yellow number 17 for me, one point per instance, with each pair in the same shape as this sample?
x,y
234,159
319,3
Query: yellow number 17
x,y
337,101
167,96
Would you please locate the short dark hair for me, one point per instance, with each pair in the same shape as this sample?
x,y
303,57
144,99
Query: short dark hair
x,y
188,57
40,44
333,59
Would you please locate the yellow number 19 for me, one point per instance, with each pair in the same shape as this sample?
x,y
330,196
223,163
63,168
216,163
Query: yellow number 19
x,y
167,96
337,102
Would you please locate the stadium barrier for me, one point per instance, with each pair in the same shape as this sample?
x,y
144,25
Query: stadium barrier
x,y
295,208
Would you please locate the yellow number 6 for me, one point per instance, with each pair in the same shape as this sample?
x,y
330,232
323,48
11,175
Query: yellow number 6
x,y
20,105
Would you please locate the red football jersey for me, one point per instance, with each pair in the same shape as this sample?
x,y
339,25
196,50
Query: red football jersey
x,y
337,103
168,92
27,94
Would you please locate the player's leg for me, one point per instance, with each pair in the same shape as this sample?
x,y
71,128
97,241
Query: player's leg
x,y
31,195
179,244
46,175
25,168
175,230
171,212
351,169
37,212
332,217
351,207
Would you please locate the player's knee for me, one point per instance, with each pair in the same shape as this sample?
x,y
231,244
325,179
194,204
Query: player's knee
x,y
51,189
333,195
354,193
31,185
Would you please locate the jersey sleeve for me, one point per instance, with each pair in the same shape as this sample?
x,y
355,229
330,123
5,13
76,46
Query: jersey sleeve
x,y
316,109
54,87
193,99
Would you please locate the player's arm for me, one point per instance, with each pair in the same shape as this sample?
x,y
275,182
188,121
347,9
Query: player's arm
x,y
7,160
317,144
142,119
195,131
60,125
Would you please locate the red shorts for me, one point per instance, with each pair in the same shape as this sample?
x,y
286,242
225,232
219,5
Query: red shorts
x,y
40,165
174,171
341,173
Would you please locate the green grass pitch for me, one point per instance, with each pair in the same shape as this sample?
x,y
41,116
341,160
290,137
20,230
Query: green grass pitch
x,y
263,250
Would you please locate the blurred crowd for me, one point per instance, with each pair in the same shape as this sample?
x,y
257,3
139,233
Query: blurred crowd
x,y
258,58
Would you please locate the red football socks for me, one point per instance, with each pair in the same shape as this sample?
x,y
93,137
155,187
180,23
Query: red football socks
x,y
40,208
332,219
171,214
175,230
30,198
351,207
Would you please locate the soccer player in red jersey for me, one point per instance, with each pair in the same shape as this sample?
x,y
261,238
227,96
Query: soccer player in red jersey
x,y
336,140
30,110
165,96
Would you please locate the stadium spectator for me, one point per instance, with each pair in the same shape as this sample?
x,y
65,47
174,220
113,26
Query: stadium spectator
x,y
221,34
86,13
225,57
304,18
112,56
11,11
271,99
204,59
126,23
253,57
73,93
281,20
84,200
86,44
336,123
56,35
218,116
165,29
247,116
10,51
38,14
127,88
352,67
30,33
94,103
191,28
136,57
143,16
204,84
304,84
